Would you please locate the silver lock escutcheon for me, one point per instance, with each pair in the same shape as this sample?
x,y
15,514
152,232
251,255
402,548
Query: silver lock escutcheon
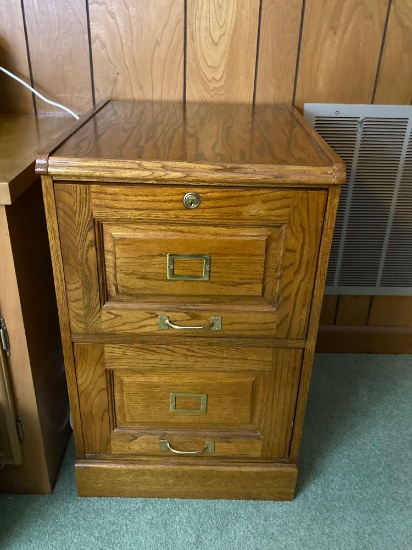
x,y
191,200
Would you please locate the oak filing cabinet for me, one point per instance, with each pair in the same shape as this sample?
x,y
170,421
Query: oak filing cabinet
x,y
190,247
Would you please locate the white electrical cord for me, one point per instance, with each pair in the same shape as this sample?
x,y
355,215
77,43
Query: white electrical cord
x,y
39,95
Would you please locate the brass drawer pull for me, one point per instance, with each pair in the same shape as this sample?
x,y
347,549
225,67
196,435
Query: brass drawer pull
x,y
209,447
165,324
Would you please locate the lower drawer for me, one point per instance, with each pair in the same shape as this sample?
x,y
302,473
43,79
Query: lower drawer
x,y
177,401
168,443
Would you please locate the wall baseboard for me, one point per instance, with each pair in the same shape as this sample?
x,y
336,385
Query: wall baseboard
x,y
351,339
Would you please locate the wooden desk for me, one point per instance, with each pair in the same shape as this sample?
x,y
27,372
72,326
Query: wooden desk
x,y
33,397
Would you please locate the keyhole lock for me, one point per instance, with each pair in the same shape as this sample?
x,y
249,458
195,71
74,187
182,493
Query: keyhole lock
x,y
191,200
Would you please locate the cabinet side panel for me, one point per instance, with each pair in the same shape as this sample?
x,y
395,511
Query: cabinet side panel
x,y
303,238
281,402
92,387
79,257
328,227
62,306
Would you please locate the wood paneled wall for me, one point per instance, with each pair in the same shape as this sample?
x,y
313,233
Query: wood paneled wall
x,y
262,51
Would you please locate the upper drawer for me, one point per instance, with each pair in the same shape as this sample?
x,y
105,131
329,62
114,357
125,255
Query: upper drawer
x,y
132,254
165,204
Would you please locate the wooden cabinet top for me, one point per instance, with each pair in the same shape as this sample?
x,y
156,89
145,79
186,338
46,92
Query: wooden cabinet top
x,y
21,138
211,143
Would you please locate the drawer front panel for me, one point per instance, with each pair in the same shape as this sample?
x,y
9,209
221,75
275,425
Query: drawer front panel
x,y
238,323
134,397
165,204
171,444
194,263
262,251
226,401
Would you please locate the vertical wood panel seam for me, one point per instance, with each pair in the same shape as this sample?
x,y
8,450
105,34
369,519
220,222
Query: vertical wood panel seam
x,y
300,377
184,51
335,316
26,37
89,39
369,311
302,22
378,68
257,51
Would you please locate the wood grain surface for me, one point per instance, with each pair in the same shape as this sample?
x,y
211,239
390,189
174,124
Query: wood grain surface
x,y
199,357
313,324
138,48
234,399
250,403
79,257
146,444
132,309
243,262
10,450
93,398
207,50
21,137
57,35
340,50
353,310
196,143
391,311
304,232
328,311
282,392
221,50
344,339
248,207
33,477
38,302
115,240
248,322
27,301
14,98
278,50
62,306
234,481
394,84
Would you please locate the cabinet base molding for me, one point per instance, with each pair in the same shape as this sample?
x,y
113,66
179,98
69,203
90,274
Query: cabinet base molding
x,y
218,481
347,339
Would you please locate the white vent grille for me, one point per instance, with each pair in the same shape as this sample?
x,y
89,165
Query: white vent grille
x,y
372,244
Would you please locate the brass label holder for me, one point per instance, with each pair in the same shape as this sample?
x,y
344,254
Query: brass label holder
x,y
171,267
201,396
